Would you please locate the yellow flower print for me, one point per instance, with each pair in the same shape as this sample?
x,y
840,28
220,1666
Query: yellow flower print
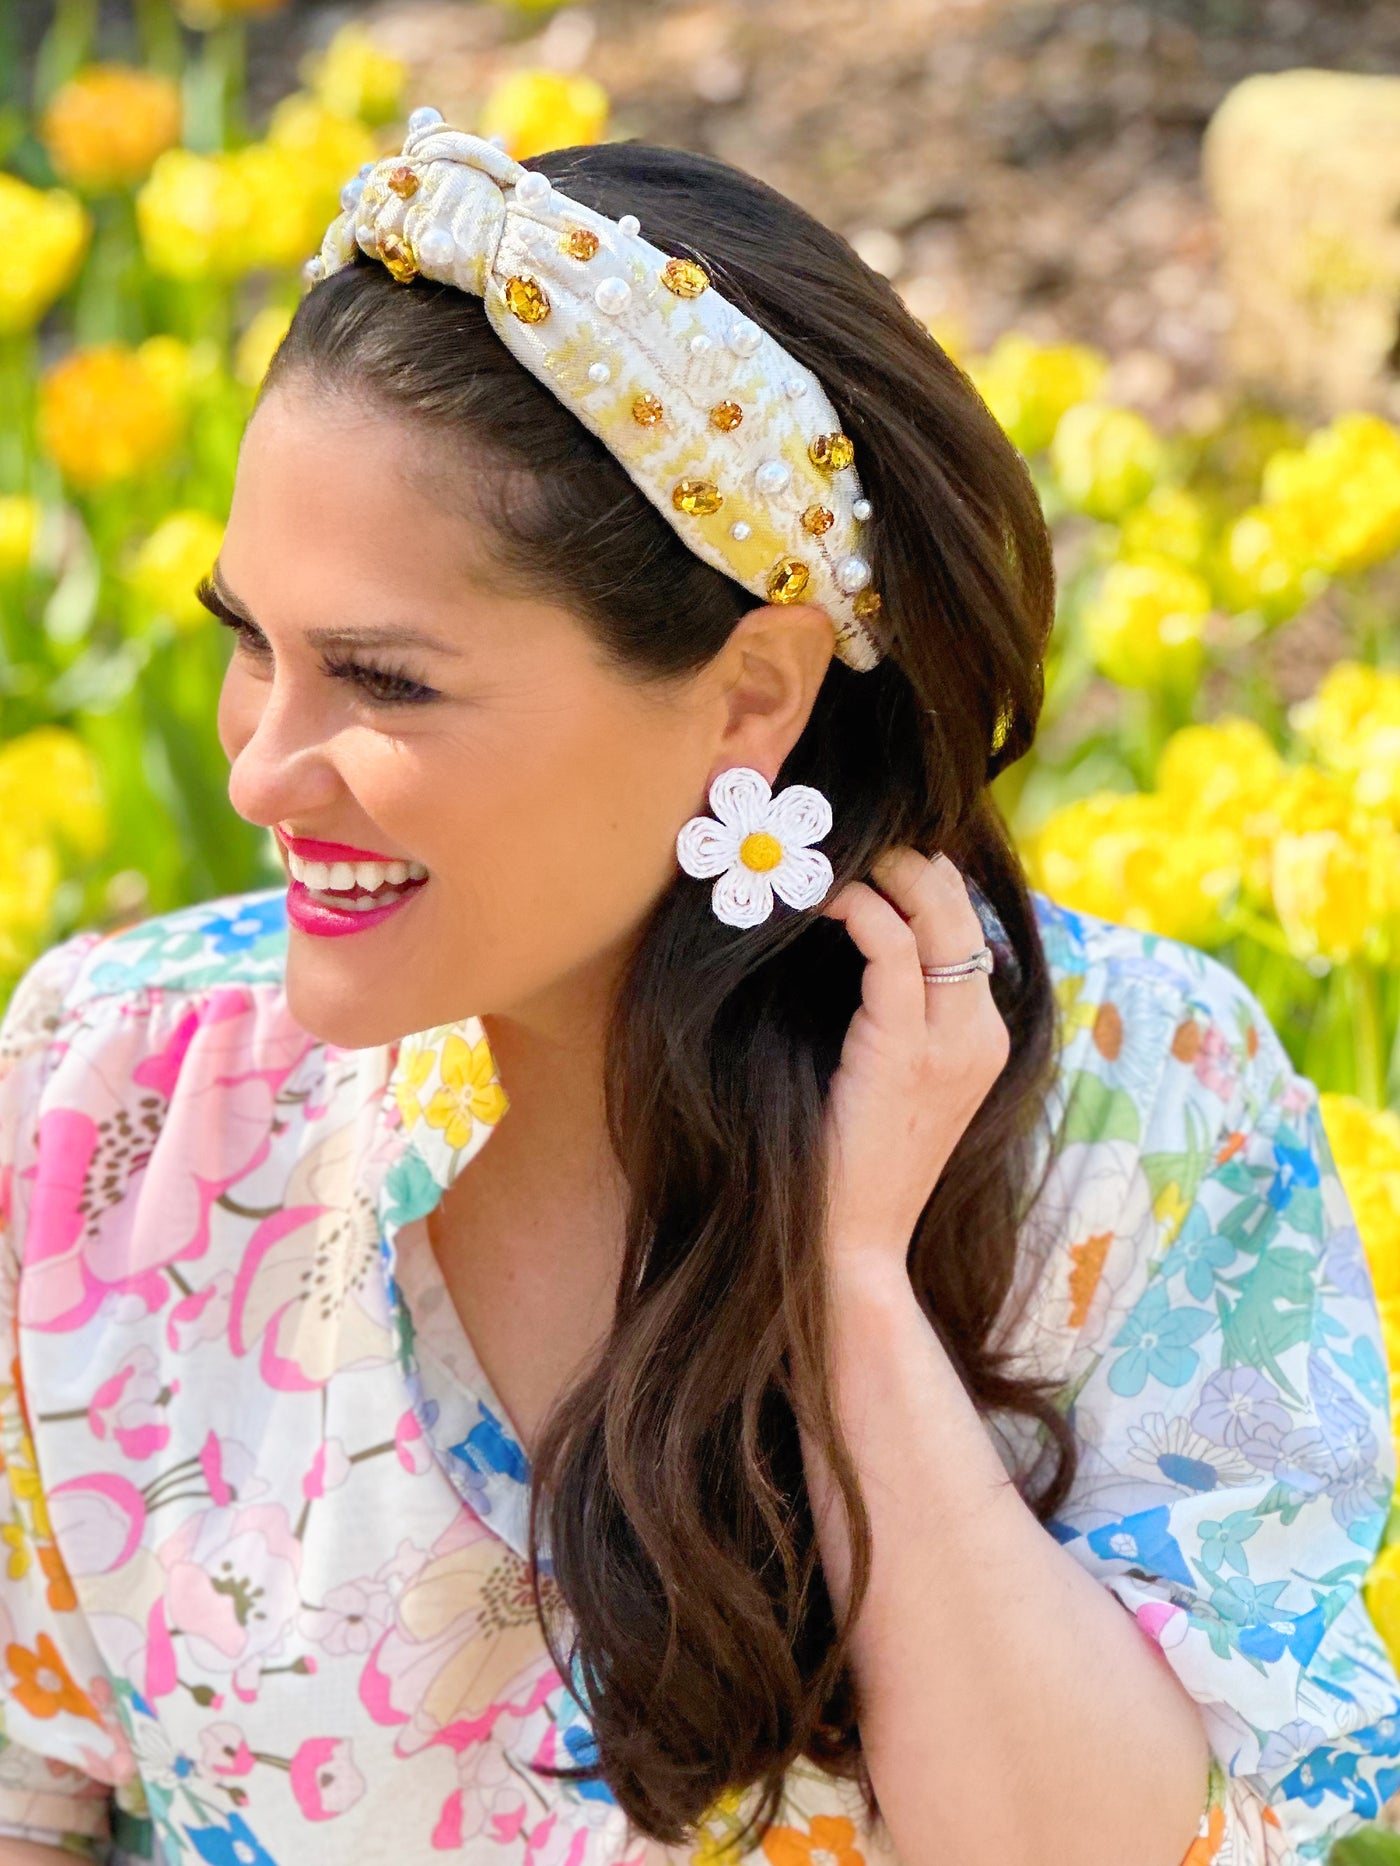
x,y
413,1072
21,1554
470,1093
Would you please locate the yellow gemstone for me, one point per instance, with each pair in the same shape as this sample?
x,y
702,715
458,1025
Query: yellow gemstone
x,y
404,181
580,244
867,605
818,519
684,278
787,580
525,299
761,851
726,416
647,410
698,497
832,452
397,256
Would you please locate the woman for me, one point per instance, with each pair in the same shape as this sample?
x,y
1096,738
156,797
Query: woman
x,y
885,1392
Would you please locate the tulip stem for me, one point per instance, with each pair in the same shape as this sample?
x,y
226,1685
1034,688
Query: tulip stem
x,y
64,47
214,89
160,36
1363,990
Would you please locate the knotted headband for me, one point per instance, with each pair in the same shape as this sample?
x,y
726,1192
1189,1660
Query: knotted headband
x,y
732,439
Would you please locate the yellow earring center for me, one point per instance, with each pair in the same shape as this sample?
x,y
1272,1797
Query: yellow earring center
x,y
760,851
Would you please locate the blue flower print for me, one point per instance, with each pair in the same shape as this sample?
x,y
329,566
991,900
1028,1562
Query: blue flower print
x,y
1238,1406
1264,1630
251,921
1200,1252
1146,1541
1297,1169
234,1845
489,1447
1222,1543
1367,1371
1158,1339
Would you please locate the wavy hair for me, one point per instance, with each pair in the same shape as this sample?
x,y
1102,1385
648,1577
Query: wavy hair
x,y
668,1498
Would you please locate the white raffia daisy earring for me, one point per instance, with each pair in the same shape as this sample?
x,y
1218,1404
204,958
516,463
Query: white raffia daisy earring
x,y
758,847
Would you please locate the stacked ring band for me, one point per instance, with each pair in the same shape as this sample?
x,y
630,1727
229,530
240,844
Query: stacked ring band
x,y
981,961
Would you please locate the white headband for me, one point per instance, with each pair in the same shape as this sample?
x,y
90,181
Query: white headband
x,y
731,439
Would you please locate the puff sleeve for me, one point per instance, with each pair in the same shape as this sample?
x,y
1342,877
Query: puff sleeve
x,y
1229,1396
60,1748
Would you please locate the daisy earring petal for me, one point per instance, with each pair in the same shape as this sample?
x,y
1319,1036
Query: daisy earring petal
x,y
798,815
741,797
742,897
803,878
705,848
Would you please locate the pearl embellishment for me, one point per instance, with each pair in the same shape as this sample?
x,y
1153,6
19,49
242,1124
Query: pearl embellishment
x,y
352,191
630,225
599,373
740,530
311,271
744,339
862,510
424,117
773,476
436,247
612,297
794,390
533,188
701,344
853,573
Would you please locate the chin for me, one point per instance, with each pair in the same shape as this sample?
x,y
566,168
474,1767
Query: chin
x,y
330,1012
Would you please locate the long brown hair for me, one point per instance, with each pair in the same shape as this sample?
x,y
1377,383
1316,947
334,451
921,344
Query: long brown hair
x,y
668,1482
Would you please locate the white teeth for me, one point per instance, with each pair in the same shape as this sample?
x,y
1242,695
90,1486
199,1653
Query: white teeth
x,y
342,876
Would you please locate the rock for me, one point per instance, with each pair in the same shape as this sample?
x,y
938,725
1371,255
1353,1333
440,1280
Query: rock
x,y
1303,169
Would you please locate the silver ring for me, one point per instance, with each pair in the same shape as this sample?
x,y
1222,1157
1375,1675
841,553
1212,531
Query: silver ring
x,y
981,961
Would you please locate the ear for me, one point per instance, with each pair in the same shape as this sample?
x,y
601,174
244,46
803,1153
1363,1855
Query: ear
x,y
768,674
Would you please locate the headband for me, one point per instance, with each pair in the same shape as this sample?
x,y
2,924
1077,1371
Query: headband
x,y
733,441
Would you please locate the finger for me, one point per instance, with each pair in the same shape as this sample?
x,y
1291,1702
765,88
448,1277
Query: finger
x,y
933,898
892,988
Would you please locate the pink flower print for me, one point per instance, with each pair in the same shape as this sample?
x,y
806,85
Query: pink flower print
x,y
223,1750
80,1242
463,1644
351,1618
310,1286
329,1470
1214,1063
97,1521
130,1406
232,1588
324,1778
410,1446
202,1315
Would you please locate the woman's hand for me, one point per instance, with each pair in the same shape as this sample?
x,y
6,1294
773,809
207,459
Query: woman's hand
x,y
918,1059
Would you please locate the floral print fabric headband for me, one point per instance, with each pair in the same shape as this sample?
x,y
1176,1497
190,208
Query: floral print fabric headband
x,y
731,439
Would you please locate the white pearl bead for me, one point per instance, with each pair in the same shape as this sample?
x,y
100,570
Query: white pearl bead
x,y
497,142
773,476
740,530
794,390
853,573
701,344
352,191
599,373
744,339
612,297
533,188
365,168
436,247
630,225
862,509
424,117
364,233
313,269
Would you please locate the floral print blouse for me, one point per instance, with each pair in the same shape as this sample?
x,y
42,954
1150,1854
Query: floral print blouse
x,y
263,1599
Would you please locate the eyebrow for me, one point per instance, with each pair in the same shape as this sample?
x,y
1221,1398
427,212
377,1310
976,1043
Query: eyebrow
x,y
217,597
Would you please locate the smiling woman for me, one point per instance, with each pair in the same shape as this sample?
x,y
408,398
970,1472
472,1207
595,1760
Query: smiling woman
x,y
875,1394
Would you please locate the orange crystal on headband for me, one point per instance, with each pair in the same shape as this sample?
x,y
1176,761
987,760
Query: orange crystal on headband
x,y
697,497
525,299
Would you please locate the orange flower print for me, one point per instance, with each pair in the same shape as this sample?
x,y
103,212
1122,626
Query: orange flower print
x,y
60,1593
42,1683
1205,1846
830,1842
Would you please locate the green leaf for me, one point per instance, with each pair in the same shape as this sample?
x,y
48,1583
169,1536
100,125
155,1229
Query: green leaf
x,y
1097,1112
1373,1846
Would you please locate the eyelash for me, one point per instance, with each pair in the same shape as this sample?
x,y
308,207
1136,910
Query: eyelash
x,y
402,690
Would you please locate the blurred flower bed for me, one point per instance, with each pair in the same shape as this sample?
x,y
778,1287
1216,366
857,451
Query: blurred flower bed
x,y
1183,782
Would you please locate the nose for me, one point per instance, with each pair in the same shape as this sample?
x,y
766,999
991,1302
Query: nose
x,y
280,764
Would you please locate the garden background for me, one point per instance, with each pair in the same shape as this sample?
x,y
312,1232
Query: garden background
x,y
1066,194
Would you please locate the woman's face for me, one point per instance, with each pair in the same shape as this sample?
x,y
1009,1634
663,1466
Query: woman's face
x,y
540,789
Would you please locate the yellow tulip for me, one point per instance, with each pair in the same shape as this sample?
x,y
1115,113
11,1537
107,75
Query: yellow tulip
x,y
1029,386
1352,726
1106,459
168,564
1224,772
1366,1144
258,343
19,528
1380,1590
1336,892
105,127
1144,626
1267,562
540,110
43,235
1344,483
193,215
50,785
105,416
30,872
1170,522
354,77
